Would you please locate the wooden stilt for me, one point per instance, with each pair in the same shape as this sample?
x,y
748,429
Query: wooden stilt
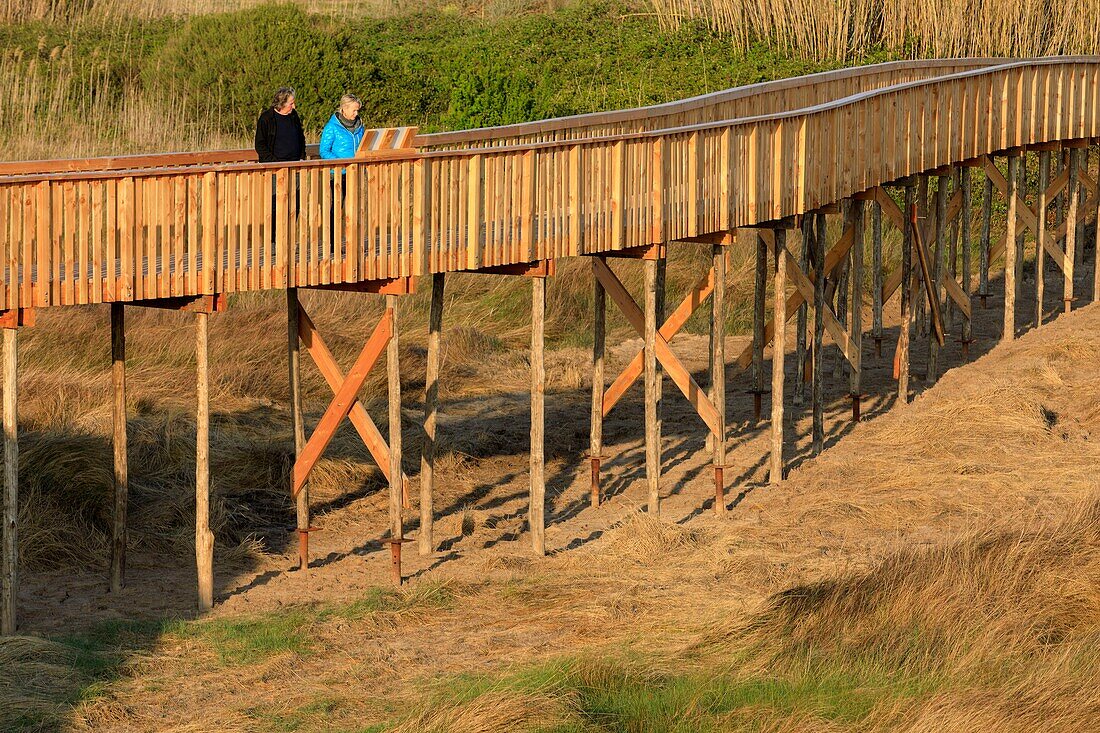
x,y
951,268
660,295
984,244
1073,193
760,294
855,373
779,345
718,360
938,254
901,365
1096,240
118,424
204,538
652,431
294,367
818,386
425,540
595,448
1041,235
802,324
1082,168
1010,251
923,195
842,277
876,276
536,511
964,183
393,395
1021,192
9,572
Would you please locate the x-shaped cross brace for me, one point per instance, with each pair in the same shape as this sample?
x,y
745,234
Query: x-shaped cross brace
x,y
673,366
804,293
345,401
893,212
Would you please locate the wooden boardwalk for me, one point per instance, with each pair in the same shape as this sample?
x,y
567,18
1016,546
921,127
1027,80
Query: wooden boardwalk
x,y
183,230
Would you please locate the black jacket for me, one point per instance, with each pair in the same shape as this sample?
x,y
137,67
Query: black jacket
x,y
265,134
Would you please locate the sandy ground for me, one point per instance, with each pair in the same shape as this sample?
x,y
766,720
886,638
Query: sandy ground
x,y
481,503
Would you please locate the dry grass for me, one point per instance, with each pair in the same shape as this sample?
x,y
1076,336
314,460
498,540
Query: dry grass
x,y
849,29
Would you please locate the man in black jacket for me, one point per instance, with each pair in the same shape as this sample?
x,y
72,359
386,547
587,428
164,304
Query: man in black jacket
x,y
279,134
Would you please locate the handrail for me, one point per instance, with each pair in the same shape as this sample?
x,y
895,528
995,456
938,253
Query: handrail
x,y
73,238
762,90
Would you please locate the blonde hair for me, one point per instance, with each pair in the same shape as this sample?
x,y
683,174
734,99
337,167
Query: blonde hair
x,y
349,98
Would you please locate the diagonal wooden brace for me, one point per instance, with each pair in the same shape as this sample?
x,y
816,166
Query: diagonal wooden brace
x,y
833,258
334,376
679,374
832,325
671,327
342,403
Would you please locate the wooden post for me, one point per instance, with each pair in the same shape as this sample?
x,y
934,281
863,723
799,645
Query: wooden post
x,y
951,266
718,362
841,277
964,183
1082,168
937,273
1074,194
118,420
9,572
536,511
818,386
760,293
876,276
1041,235
1096,240
779,345
983,245
652,430
922,218
297,424
393,395
1021,192
595,448
660,313
1010,250
425,541
807,240
901,367
855,373
204,538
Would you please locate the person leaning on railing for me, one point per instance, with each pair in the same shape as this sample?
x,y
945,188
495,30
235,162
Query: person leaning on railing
x,y
344,131
279,133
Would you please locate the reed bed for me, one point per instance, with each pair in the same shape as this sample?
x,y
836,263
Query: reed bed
x,y
844,30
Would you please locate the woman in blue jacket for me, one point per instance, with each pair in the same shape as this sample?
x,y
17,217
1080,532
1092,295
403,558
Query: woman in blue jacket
x,y
344,131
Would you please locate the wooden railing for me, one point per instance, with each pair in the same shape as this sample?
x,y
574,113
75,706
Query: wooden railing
x,y
125,235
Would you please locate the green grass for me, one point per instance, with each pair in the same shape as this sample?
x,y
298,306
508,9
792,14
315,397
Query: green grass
x,y
626,694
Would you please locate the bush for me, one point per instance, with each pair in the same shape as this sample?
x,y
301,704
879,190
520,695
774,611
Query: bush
x,y
231,64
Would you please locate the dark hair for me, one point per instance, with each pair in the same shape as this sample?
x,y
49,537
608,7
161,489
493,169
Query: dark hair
x,y
281,95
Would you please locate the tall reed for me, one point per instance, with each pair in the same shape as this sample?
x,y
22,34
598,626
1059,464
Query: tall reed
x,y
842,30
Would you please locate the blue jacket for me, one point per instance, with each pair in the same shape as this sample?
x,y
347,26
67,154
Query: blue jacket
x,y
337,142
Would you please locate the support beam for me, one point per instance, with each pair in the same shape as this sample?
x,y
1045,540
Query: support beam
x,y
718,362
805,244
758,336
393,398
652,435
536,510
967,335
425,540
1010,251
855,372
118,434
595,446
9,569
297,423
984,243
901,361
779,345
876,276
1074,196
818,385
938,254
204,538
1041,235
